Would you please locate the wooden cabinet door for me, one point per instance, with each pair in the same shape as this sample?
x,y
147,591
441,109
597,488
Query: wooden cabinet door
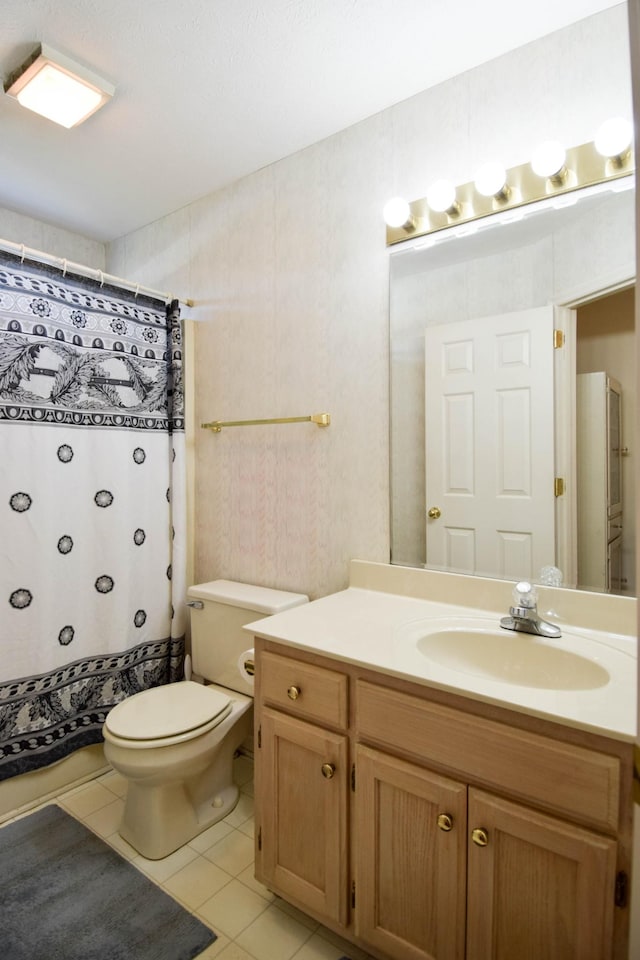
x,y
410,872
304,786
540,889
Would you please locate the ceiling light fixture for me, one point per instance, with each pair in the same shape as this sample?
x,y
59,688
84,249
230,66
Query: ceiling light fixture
x,y
56,87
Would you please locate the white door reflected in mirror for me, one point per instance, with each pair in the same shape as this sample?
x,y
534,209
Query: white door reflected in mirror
x,y
489,444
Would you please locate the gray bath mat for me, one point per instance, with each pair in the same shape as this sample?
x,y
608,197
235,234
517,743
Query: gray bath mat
x,y
66,895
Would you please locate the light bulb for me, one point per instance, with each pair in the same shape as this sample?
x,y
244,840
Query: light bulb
x,y
614,137
491,180
397,212
548,159
441,197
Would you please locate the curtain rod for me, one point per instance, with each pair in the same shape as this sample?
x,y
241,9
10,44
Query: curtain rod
x,y
19,249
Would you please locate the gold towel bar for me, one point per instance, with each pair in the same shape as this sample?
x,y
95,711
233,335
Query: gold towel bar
x,y
322,420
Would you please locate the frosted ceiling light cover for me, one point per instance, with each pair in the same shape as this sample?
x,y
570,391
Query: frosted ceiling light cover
x,y
441,196
396,212
56,87
548,159
58,97
614,137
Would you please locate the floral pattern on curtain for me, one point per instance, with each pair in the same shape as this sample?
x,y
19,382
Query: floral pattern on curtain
x,y
92,507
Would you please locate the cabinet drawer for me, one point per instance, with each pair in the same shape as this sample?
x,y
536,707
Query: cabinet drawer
x,y
305,690
562,777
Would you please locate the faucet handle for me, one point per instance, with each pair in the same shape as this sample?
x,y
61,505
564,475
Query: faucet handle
x,y
525,595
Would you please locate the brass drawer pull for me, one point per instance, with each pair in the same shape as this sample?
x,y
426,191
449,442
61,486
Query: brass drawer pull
x,y
293,693
328,770
445,822
480,837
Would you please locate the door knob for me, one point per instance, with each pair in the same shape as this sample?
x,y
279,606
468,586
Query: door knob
x,y
293,693
445,822
434,513
328,770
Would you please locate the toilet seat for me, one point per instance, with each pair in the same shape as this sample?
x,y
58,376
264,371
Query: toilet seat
x,y
165,715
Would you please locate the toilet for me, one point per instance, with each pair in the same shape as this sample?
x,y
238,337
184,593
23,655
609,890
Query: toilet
x,y
175,744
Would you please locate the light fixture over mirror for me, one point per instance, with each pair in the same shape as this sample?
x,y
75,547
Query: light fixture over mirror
x,y
553,171
58,88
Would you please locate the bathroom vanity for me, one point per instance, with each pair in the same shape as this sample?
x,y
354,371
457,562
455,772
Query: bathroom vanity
x,y
425,812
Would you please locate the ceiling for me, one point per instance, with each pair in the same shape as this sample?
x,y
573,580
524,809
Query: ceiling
x,y
208,91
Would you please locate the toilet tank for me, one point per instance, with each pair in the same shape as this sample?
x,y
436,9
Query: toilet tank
x,y
217,637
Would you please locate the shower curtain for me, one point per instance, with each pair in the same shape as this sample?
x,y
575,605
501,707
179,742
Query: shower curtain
x,y
92,507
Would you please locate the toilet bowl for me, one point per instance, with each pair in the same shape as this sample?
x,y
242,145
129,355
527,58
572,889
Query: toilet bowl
x,y
175,744
180,772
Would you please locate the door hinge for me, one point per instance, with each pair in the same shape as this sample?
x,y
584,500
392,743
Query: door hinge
x,y
558,486
353,894
558,339
622,889
260,839
353,777
259,737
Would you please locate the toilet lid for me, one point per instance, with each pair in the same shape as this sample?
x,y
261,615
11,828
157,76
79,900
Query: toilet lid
x,y
167,711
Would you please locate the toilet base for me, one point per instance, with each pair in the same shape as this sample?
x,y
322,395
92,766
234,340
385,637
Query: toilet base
x,y
158,820
163,811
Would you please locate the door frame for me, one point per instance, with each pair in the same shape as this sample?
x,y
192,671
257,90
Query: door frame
x,y
566,309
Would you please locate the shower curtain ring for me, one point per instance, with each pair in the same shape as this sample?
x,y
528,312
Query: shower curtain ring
x,y
137,290
64,268
23,250
101,275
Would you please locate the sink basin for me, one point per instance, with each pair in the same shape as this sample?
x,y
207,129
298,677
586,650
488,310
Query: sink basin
x,y
483,649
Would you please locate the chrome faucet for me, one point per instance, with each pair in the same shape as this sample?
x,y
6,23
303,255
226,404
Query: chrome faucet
x,y
523,615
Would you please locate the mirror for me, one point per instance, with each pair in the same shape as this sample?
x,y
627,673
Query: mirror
x,y
457,432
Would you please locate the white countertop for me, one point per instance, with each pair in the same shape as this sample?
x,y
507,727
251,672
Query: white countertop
x,y
371,628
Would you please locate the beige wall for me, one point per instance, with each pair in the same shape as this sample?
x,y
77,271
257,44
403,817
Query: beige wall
x,y
289,272
53,240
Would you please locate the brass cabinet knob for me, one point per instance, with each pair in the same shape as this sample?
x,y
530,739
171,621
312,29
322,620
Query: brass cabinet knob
x,y
293,693
480,837
445,822
328,770
434,513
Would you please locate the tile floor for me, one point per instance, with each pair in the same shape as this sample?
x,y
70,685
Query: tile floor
x,y
212,877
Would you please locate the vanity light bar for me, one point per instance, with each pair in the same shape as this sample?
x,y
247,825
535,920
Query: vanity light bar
x,y
583,167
